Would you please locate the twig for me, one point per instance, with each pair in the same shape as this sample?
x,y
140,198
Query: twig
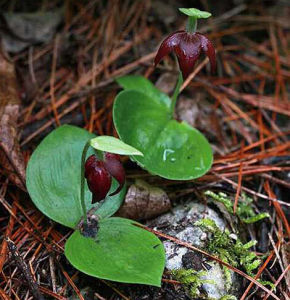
x,y
52,273
72,284
250,191
115,290
8,232
3,296
278,281
52,80
33,286
239,187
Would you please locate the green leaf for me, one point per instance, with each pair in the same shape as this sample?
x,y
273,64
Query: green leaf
x,y
171,149
53,177
113,145
120,252
141,84
112,203
194,12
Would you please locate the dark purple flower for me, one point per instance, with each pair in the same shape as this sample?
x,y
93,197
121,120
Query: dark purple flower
x,y
115,168
99,175
187,47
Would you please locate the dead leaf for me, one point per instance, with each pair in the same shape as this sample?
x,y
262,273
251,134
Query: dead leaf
x,y
11,158
188,110
144,201
166,83
25,29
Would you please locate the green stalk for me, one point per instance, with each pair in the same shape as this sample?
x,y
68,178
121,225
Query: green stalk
x,y
83,204
175,94
191,24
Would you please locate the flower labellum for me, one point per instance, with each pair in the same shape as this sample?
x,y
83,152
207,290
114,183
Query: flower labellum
x,y
99,175
187,46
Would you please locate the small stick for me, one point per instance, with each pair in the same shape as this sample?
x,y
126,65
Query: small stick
x,y
3,295
278,280
25,270
115,290
9,229
52,272
99,296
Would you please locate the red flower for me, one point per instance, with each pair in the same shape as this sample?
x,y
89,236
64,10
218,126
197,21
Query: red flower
x,y
99,175
187,47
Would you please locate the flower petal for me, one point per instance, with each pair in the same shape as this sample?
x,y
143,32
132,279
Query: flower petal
x,y
115,168
209,50
167,46
187,52
98,178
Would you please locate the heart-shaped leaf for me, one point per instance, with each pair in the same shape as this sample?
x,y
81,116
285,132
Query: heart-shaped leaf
x,y
120,252
171,149
113,145
143,85
53,177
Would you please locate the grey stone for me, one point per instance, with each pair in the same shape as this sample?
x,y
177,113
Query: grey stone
x,y
180,224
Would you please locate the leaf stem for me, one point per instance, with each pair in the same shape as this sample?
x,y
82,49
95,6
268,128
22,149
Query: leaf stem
x,y
191,24
82,196
175,94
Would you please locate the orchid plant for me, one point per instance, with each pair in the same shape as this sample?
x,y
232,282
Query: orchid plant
x,y
144,116
77,179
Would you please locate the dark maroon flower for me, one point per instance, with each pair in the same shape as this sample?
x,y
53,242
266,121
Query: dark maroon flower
x,y
187,47
99,175
115,168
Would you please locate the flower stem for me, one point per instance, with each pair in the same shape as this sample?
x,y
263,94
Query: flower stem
x,y
82,196
191,24
175,94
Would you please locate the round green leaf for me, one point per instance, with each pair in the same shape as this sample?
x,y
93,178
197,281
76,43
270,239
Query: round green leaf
x,y
113,145
120,252
194,12
53,177
143,85
171,149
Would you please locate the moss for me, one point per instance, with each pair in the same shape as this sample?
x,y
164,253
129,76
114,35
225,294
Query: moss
x,y
191,280
229,250
245,210
228,297
222,245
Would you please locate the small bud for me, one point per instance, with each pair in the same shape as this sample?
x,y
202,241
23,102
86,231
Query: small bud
x,y
99,175
98,178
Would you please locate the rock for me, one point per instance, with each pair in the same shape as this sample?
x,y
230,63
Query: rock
x,y
216,274
180,224
27,29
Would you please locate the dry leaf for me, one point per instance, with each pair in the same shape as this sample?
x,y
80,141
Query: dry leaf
x,y
144,202
11,158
